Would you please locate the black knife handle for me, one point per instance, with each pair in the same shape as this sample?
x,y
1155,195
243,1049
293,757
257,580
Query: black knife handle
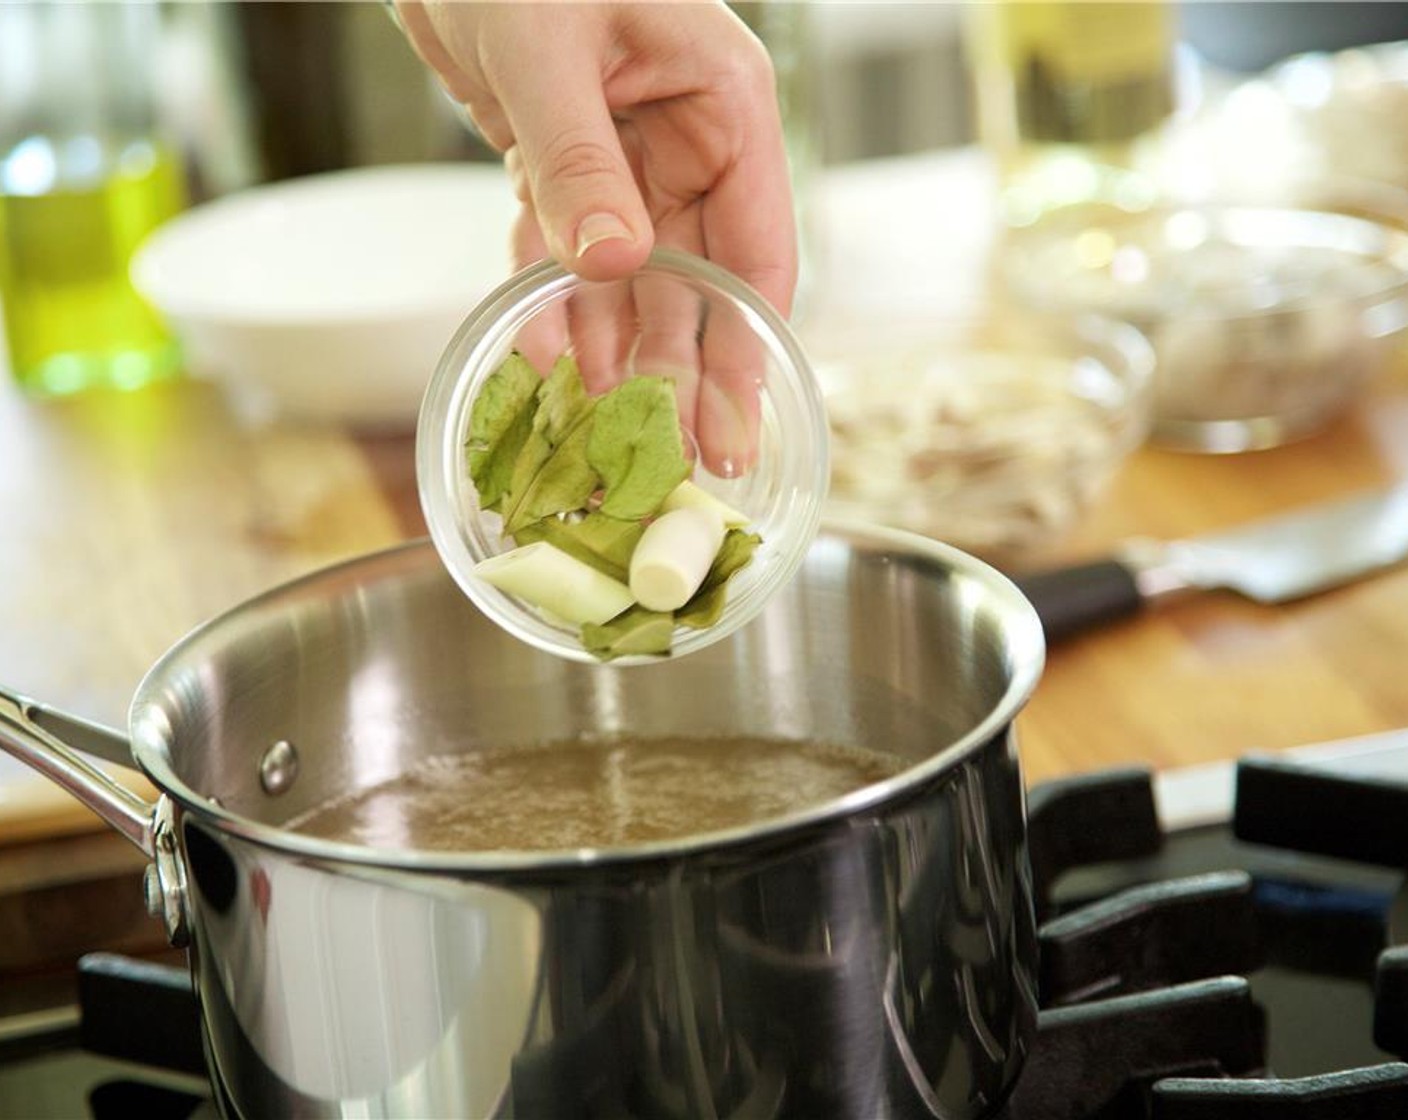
x,y
1070,600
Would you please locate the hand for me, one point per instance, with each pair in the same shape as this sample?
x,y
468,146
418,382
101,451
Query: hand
x,y
625,125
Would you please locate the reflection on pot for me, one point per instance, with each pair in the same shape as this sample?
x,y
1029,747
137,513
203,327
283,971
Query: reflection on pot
x,y
869,957
344,987
819,980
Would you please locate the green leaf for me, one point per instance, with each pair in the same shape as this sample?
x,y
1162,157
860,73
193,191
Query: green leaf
x,y
500,421
552,474
634,631
532,534
707,604
561,399
636,447
605,543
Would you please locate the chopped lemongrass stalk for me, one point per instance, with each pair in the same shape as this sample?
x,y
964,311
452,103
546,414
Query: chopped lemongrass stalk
x,y
673,557
689,495
549,578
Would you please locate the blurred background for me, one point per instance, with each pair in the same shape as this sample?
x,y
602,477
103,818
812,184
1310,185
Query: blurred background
x,y
279,196
268,90
261,91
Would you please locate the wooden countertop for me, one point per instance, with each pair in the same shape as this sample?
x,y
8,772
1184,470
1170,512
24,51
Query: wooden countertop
x,y
127,519
1215,676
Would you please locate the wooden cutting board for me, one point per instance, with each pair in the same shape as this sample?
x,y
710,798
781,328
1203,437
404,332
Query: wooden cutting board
x,y
129,519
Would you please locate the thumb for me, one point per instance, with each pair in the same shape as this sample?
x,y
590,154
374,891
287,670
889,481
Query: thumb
x,y
586,199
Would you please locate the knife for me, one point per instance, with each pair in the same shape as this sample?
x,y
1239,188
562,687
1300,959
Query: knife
x,y
1274,560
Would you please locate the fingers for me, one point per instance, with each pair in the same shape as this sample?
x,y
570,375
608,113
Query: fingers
x,y
419,25
602,326
543,339
748,218
586,199
595,323
709,350
730,390
670,318
749,228
695,144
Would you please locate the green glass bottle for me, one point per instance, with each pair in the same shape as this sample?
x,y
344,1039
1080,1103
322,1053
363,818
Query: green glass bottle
x,y
84,179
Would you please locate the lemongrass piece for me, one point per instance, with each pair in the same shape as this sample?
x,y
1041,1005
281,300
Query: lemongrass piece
x,y
547,577
673,557
690,495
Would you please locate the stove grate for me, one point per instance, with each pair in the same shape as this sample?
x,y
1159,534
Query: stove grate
x,y
1152,978
1185,946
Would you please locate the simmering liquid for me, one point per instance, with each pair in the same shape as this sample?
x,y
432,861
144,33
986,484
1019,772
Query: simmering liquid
x,y
594,794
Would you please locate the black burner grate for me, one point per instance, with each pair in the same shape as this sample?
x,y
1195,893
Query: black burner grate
x,y
1154,962
1190,1043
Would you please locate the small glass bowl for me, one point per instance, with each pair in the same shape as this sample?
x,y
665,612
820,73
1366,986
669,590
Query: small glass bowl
x,y
1265,321
995,433
677,313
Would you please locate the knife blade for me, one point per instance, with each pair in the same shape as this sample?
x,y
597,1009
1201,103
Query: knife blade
x,y
1275,560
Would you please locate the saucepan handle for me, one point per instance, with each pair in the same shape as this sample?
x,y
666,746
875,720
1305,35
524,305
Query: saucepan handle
x,y
57,745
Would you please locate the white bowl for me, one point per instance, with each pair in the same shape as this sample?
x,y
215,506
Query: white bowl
x,y
331,297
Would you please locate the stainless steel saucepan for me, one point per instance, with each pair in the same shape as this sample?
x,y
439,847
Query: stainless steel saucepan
x,y
874,956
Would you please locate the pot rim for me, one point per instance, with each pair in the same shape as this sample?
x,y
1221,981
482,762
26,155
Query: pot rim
x,y
149,731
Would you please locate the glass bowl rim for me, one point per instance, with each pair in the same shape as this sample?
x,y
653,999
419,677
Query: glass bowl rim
x,y
1391,254
489,328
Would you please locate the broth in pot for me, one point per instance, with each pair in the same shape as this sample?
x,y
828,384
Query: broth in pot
x,y
594,793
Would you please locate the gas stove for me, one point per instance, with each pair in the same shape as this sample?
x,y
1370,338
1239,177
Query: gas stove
x,y
1216,943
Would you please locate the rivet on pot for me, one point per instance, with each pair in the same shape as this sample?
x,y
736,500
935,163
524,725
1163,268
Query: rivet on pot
x,y
278,768
151,891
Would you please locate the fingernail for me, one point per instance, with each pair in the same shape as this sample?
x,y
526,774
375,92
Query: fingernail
x,y
596,228
729,439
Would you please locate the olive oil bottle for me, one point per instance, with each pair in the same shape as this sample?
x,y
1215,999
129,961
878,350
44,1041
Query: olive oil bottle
x,y
71,213
84,178
1066,95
